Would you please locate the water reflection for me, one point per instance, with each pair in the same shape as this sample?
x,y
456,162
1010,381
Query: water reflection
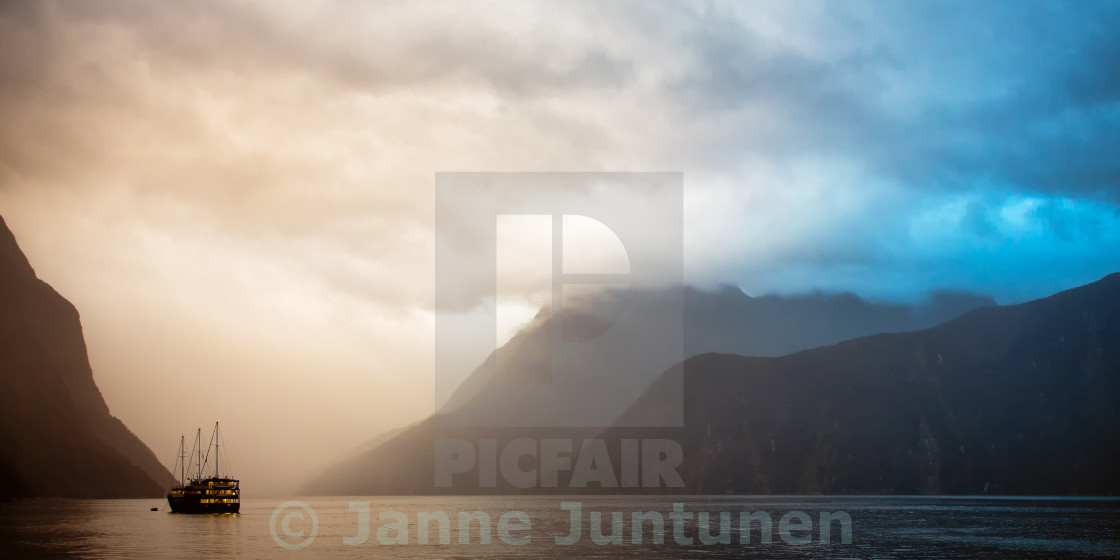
x,y
883,527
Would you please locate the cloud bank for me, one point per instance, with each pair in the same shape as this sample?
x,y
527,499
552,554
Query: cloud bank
x,y
241,192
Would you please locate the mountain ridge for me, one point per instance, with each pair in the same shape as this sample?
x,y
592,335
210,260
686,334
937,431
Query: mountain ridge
x,y
1020,399
57,435
726,318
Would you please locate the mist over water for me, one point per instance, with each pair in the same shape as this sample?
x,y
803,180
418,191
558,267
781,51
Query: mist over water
x,y
882,527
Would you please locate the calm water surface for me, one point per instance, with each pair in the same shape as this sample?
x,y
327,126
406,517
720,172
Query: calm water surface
x,y
882,527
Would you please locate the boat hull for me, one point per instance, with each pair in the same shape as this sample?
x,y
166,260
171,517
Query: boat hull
x,y
206,495
192,504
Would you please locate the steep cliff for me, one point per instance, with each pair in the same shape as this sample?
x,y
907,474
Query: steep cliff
x,y
1021,399
57,437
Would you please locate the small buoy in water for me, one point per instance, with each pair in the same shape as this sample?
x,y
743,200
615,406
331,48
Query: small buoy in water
x,y
155,509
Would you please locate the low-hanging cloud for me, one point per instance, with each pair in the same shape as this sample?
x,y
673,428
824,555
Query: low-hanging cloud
x,y
243,190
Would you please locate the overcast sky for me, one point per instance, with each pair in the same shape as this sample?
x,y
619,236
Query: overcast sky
x,y
241,193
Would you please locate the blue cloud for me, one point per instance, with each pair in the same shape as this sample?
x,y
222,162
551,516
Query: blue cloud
x,y
997,124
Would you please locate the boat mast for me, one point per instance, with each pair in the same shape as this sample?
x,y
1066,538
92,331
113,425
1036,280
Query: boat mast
x,y
182,460
217,446
198,437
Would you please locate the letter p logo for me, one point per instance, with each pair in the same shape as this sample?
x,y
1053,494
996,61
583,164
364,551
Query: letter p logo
x,y
570,284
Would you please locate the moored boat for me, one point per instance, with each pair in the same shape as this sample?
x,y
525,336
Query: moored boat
x,y
213,494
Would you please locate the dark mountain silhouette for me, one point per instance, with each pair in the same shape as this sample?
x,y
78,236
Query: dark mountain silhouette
x,y
57,437
725,320
1022,399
